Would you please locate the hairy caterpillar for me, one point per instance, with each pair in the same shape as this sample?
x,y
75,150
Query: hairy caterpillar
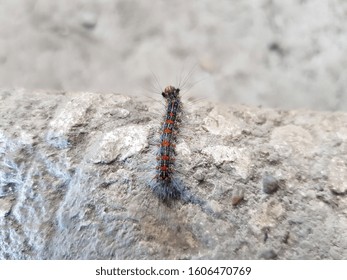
x,y
165,178
164,185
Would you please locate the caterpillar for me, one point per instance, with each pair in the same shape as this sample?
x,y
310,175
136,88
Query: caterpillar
x,y
164,184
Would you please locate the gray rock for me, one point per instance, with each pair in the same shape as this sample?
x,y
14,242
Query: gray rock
x,y
74,169
270,184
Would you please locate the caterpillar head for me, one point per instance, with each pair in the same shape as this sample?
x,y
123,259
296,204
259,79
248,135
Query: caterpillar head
x,y
170,93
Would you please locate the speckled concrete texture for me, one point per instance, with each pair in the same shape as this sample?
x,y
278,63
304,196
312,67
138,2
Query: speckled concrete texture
x,y
268,184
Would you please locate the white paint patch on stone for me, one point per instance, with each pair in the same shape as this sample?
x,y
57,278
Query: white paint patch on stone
x,y
119,144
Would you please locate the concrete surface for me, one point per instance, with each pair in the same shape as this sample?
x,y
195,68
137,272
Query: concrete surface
x,y
270,184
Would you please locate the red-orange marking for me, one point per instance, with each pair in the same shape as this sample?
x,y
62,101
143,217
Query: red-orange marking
x,y
164,168
165,143
165,157
167,130
169,121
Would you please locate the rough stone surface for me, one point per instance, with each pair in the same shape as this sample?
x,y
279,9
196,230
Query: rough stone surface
x,y
74,167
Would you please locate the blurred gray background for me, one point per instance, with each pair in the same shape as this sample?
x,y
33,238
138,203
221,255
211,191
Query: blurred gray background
x,y
287,54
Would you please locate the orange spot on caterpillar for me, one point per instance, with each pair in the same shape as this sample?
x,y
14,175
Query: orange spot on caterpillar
x,y
164,168
169,121
167,130
165,157
165,143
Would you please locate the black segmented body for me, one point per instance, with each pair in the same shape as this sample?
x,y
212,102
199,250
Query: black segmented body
x,y
165,186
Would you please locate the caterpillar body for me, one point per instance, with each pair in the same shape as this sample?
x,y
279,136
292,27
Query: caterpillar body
x,y
164,184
